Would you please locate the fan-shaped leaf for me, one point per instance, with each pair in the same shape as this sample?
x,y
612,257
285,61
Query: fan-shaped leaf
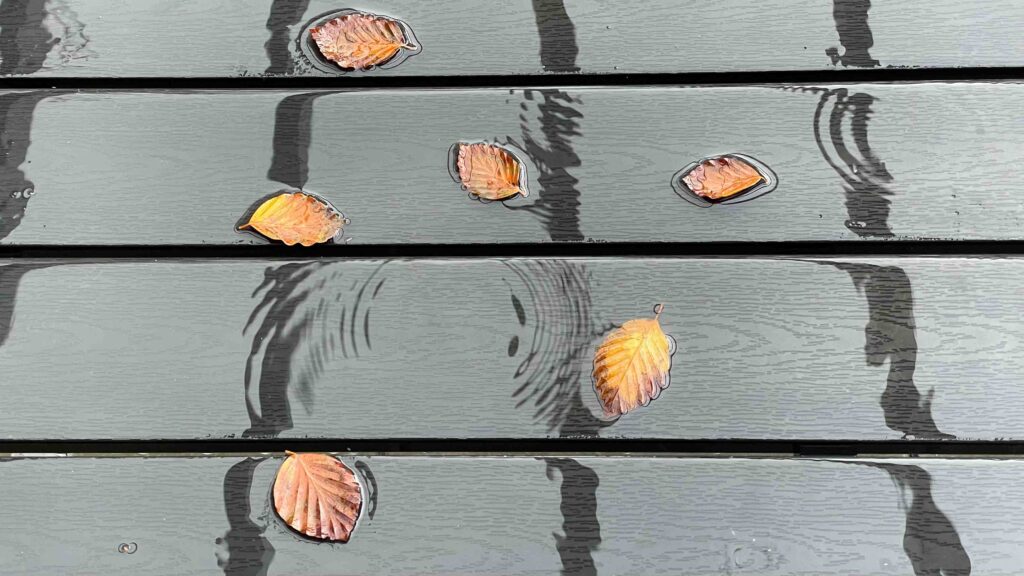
x,y
318,496
358,41
296,218
631,366
489,171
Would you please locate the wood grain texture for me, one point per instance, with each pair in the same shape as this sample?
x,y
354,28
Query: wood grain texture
x,y
223,38
911,161
515,516
868,349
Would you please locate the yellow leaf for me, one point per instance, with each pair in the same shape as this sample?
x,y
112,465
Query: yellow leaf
x,y
296,218
631,366
358,41
318,496
488,171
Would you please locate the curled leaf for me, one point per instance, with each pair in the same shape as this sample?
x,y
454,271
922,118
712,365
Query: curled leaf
x,y
360,41
488,171
318,496
632,365
725,179
296,218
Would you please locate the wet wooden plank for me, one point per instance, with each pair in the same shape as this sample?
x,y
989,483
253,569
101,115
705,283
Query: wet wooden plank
x,y
223,38
514,516
867,349
910,161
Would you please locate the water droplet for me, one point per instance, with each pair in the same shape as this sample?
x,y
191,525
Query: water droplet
x,y
14,194
346,221
127,548
28,192
856,224
347,240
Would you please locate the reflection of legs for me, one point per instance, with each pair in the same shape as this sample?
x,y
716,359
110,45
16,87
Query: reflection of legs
x,y
248,552
582,531
283,15
16,110
24,40
851,18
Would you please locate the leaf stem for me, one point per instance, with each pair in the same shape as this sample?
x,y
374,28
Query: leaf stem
x,y
658,309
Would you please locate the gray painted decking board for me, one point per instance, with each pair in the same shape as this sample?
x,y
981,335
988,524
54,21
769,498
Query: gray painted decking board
x,y
174,38
182,168
514,516
864,349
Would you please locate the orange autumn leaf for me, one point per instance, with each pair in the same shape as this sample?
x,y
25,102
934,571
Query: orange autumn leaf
x,y
489,171
631,366
357,41
296,218
318,496
722,177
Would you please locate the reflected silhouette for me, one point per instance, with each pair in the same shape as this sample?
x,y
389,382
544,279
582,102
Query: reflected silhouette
x,y
558,48
24,38
851,18
930,540
890,334
247,552
558,200
293,128
559,333
10,278
551,375
283,15
16,110
309,314
865,178
582,531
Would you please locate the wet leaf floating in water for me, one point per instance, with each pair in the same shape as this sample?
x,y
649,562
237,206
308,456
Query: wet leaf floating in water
x,y
318,496
488,171
725,179
359,41
296,218
631,366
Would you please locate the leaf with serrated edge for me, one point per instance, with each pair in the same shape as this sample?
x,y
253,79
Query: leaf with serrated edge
x,y
357,41
318,496
631,366
489,171
296,218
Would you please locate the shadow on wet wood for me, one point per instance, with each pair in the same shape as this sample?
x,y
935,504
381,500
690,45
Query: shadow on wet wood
x,y
851,19
283,15
930,539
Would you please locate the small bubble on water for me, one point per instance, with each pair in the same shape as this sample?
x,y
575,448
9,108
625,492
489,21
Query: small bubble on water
x,y
856,224
14,194
346,221
127,548
28,192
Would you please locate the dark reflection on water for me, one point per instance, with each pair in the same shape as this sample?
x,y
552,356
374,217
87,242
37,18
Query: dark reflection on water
x,y
558,200
851,18
309,314
246,551
580,526
10,277
24,38
555,317
283,15
930,540
890,334
16,110
293,129
866,180
558,48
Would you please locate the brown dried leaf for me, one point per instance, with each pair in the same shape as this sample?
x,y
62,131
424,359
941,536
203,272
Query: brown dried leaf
x,y
296,218
722,177
489,171
357,41
631,366
318,496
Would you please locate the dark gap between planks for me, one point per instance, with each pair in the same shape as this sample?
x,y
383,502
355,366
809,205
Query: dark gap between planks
x,y
524,447
851,248
990,74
